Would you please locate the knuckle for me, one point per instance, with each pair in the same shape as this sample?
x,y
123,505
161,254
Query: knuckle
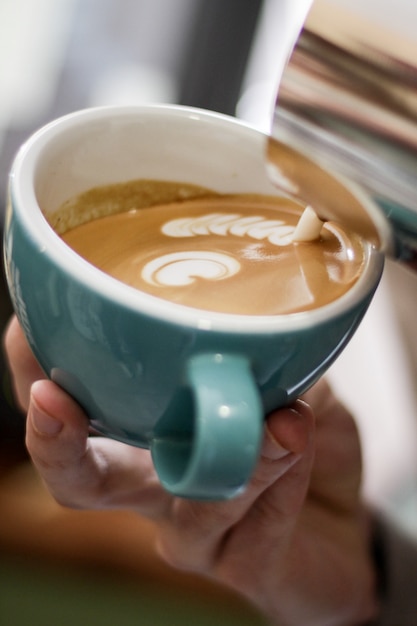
x,y
43,463
269,471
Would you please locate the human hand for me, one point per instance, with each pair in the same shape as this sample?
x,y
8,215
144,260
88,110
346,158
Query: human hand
x,y
295,542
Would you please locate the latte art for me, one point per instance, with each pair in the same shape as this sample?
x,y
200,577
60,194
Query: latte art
x,y
255,226
231,254
183,268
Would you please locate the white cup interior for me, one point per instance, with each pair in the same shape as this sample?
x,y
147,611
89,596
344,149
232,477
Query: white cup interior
x,y
108,146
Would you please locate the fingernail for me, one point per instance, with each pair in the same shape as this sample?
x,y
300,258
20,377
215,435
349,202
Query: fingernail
x,y
272,449
43,423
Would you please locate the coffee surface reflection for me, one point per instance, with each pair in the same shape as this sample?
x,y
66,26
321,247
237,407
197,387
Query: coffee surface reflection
x,y
231,254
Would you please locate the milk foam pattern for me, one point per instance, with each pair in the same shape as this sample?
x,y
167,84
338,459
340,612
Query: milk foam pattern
x,y
276,231
182,268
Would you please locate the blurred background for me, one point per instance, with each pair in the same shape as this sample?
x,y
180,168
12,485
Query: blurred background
x,y
57,56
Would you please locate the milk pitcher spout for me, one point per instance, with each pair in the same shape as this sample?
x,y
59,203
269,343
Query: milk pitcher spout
x,y
347,100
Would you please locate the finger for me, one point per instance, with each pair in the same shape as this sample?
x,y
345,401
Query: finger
x,y
196,530
23,365
281,502
83,472
337,471
271,524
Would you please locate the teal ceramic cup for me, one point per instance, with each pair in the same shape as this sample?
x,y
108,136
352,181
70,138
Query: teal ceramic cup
x,y
190,385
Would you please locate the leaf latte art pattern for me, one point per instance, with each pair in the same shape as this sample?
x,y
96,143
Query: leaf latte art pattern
x,y
182,268
275,231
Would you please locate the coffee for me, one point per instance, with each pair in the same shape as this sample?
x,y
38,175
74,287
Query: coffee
x,y
225,253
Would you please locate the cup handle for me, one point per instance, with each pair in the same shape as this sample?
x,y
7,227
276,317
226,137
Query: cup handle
x,y
216,457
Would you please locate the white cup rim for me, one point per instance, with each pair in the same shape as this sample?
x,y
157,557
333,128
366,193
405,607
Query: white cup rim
x,y
50,244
